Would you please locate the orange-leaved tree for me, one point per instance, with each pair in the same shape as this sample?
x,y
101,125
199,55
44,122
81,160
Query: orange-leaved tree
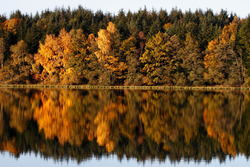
x,y
222,63
53,56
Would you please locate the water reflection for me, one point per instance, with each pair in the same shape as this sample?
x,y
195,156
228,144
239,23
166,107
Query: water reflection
x,y
65,124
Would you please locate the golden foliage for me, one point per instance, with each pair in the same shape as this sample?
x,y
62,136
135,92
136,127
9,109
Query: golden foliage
x,y
218,128
19,53
220,52
65,43
106,53
167,26
229,32
10,146
58,117
210,59
107,119
52,119
111,28
53,54
11,25
104,42
164,121
103,131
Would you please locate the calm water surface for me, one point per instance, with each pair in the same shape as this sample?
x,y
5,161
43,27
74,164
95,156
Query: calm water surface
x,y
61,127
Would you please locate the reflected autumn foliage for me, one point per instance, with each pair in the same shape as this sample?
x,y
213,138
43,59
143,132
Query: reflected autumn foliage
x,y
10,146
222,114
62,114
170,119
52,116
76,124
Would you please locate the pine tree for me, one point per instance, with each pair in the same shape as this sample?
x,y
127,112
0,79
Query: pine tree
x,y
128,49
192,62
243,48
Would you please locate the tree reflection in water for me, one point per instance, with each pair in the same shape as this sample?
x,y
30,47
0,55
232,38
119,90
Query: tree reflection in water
x,y
65,124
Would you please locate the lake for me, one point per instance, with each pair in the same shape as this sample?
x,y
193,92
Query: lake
x,y
97,127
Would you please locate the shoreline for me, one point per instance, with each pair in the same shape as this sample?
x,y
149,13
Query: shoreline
x,y
123,87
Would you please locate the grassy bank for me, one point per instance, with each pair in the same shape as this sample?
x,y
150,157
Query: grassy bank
x,y
123,87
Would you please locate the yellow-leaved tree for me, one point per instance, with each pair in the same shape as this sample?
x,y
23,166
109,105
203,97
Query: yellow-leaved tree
x,y
222,63
114,66
53,56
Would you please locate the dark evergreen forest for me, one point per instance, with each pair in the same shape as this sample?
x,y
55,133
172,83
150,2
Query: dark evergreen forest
x,y
79,46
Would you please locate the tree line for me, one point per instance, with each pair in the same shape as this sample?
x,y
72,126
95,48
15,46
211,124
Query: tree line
x,y
79,46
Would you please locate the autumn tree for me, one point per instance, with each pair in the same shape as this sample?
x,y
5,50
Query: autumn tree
x,y
22,62
222,63
53,56
113,64
77,64
160,59
11,25
156,59
19,52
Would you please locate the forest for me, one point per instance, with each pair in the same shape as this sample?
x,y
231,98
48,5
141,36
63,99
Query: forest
x,y
79,46
158,125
